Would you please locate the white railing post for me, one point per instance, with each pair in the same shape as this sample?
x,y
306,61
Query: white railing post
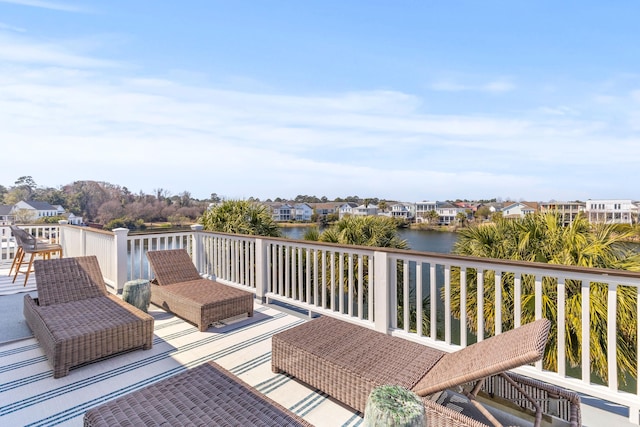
x,y
382,299
261,269
121,257
197,246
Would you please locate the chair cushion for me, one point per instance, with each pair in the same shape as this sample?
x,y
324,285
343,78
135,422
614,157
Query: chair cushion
x,y
172,266
68,279
497,354
79,318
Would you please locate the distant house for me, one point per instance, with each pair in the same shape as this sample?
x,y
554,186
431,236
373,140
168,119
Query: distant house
x,y
519,209
366,210
281,212
568,211
72,219
324,209
402,210
6,217
30,211
422,210
448,212
611,211
302,212
347,209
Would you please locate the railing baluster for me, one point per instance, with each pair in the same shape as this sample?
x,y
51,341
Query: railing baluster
x,y
419,298
463,307
498,302
586,329
612,336
447,304
562,340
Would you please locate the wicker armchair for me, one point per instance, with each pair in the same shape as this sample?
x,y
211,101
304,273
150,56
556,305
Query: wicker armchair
x,y
179,288
348,361
76,320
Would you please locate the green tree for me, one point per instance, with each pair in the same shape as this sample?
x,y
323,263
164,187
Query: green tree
x,y
543,238
461,217
432,217
378,231
240,217
483,212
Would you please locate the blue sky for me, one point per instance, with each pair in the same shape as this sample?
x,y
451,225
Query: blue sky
x,y
401,100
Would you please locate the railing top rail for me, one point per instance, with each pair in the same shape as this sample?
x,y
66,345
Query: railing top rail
x,y
516,265
527,267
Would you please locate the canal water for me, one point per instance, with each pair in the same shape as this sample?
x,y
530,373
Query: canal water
x,y
418,240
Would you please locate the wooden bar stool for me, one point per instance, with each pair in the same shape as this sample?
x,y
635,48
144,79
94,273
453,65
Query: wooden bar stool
x,y
29,245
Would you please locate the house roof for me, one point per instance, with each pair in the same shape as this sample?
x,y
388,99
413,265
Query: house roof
x,y
40,206
5,209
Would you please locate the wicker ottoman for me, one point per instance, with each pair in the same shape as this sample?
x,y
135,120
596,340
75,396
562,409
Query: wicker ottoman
x,y
206,395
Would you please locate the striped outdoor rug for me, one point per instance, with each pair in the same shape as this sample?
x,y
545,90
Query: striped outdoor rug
x,y
30,396
7,287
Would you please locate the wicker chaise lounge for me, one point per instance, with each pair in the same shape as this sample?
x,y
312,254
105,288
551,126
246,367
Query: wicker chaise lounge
x,y
179,288
203,396
76,320
348,361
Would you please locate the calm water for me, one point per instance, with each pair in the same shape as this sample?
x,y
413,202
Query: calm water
x,y
419,240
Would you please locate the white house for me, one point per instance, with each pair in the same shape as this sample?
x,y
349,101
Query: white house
x,y
6,218
347,209
518,210
366,210
30,211
567,210
402,210
447,212
611,211
422,209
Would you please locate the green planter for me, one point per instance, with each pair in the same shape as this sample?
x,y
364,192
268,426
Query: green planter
x,y
137,293
393,406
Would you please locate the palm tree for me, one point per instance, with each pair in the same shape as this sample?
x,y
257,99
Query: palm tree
x,y
377,231
543,238
240,217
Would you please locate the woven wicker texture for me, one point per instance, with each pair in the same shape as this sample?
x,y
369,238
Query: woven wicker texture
x,y
347,361
172,266
197,300
81,322
491,356
205,395
68,279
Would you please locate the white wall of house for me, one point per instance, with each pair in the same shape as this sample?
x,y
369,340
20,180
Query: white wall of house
x,y
44,210
611,211
517,210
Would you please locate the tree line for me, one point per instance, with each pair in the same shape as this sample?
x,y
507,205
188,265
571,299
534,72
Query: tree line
x,y
113,205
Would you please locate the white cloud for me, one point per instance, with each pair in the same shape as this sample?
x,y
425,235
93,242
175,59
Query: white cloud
x,y
496,86
46,5
78,116
13,28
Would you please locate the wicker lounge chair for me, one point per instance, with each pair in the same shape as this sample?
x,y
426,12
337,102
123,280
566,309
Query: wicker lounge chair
x,y
347,361
76,320
203,396
179,288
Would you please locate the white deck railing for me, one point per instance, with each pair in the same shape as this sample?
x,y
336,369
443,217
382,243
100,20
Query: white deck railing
x,y
377,289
